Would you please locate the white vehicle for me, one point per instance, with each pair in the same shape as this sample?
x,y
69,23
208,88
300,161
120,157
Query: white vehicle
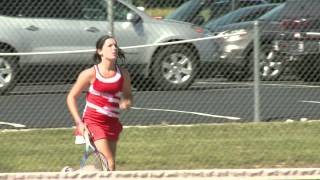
x,y
68,25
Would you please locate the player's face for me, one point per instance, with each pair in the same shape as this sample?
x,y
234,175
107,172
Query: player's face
x,y
109,49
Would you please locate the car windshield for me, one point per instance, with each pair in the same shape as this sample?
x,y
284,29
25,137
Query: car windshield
x,y
273,15
201,11
183,12
226,19
240,15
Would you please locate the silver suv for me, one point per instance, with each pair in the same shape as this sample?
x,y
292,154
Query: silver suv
x,y
67,25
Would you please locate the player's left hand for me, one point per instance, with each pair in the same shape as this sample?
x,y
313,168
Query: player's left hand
x,y
125,104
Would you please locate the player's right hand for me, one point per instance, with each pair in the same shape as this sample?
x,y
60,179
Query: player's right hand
x,y
82,128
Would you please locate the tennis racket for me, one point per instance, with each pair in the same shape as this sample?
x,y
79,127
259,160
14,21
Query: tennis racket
x,y
92,159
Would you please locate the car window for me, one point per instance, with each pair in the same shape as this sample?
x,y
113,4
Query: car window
x,y
226,19
221,7
93,9
120,11
201,11
187,10
97,10
12,8
240,15
213,10
218,9
254,13
245,3
66,9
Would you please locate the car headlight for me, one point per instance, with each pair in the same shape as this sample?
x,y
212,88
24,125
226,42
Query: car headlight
x,y
233,35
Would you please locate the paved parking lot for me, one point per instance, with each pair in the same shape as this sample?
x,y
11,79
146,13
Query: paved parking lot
x,y
207,101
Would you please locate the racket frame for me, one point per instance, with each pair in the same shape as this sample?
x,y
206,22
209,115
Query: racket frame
x,y
90,149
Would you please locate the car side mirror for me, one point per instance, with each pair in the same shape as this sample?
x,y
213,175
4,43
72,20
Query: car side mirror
x,y
132,17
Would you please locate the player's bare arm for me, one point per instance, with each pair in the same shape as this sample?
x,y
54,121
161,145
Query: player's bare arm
x,y
83,81
127,99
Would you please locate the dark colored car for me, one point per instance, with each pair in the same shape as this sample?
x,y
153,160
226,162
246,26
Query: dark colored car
x,y
235,55
201,11
241,15
300,39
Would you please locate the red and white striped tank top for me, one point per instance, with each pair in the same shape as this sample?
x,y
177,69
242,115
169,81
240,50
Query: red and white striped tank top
x,y
103,97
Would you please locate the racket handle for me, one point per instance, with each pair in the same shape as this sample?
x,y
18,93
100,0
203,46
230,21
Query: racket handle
x,y
87,139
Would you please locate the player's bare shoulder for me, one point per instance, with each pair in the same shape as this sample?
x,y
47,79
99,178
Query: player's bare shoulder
x,y
87,74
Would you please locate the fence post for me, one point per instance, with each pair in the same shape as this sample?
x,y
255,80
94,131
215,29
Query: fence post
x,y
256,75
110,17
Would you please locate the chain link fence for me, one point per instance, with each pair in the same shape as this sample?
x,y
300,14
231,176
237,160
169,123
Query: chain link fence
x,y
233,61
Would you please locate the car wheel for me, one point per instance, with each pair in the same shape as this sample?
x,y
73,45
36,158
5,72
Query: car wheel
x,y
271,67
174,68
8,74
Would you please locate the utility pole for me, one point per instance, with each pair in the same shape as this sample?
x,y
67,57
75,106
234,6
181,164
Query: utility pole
x,y
110,17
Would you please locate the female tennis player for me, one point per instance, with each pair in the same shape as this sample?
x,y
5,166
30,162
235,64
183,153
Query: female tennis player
x,y
108,91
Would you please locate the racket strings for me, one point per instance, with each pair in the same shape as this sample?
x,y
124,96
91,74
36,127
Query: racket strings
x,y
92,162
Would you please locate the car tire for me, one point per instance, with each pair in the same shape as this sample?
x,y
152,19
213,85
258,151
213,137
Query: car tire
x,y
174,68
271,66
8,73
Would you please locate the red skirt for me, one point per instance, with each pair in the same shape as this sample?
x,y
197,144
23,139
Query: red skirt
x,y
109,129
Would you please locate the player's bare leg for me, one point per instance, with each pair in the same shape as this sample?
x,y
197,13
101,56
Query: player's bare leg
x,y
108,149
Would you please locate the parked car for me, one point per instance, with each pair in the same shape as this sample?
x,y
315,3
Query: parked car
x,y
235,55
68,25
241,15
300,40
201,11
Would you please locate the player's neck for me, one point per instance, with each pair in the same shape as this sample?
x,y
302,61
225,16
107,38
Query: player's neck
x,y
107,66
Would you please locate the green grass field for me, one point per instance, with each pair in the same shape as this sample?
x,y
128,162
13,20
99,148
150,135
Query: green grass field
x,y
251,145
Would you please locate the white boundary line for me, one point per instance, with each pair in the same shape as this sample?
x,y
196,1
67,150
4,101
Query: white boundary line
x,y
293,85
314,102
188,112
13,124
263,84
